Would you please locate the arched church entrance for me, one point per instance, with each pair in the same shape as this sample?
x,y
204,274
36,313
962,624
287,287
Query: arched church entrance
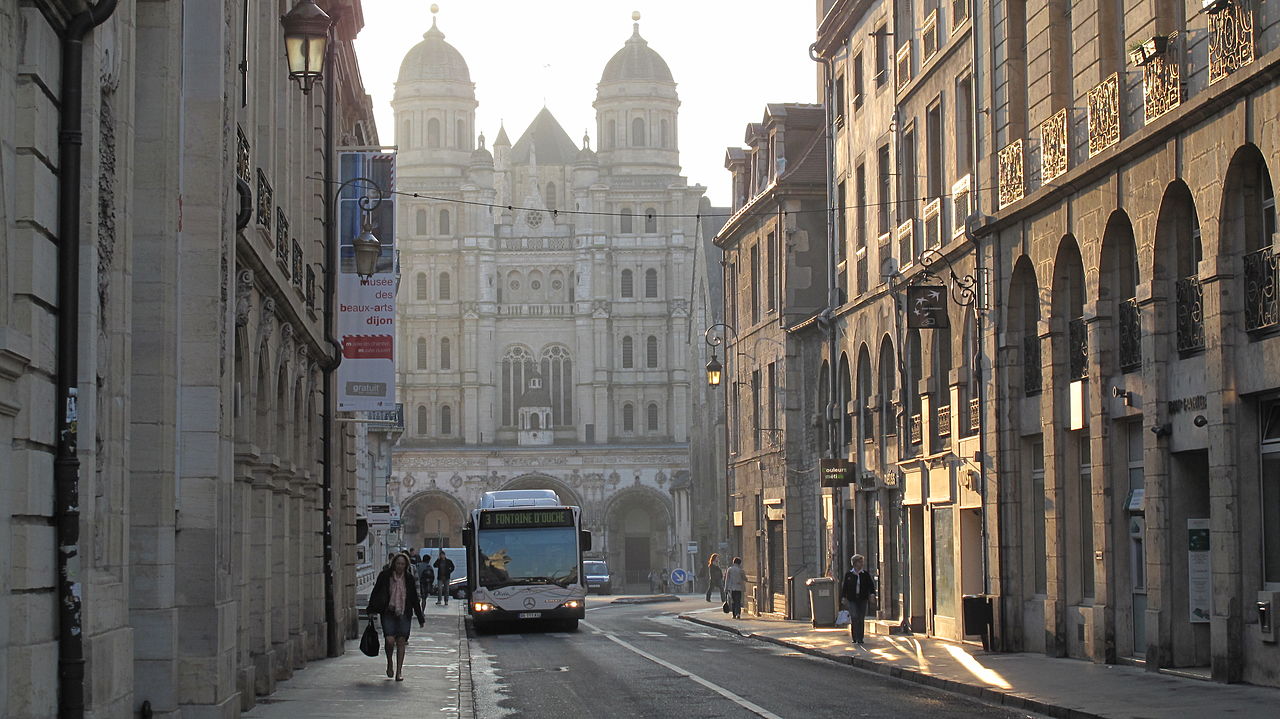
x,y
432,519
567,496
638,537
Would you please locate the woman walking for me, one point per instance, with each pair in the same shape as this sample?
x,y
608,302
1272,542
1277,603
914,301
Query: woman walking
x,y
735,582
857,588
395,598
715,576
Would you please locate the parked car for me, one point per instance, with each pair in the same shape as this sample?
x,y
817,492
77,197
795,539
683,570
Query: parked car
x,y
458,588
598,577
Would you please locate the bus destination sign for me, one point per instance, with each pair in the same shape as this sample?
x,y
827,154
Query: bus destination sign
x,y
525,518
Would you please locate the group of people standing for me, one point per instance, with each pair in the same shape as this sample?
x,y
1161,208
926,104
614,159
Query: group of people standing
x,y
398,595
855,590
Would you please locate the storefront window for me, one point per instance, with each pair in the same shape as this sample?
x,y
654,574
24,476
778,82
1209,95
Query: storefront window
x,y
944,567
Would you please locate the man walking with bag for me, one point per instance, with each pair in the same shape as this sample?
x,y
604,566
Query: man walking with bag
x,y
444,572
856,590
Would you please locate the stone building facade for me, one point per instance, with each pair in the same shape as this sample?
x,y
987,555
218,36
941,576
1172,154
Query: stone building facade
x,y
202,349
1092,442
546,346
1133,150
775,277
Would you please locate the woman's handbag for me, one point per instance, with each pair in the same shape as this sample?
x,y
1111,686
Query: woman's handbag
x,y
369,641
725,607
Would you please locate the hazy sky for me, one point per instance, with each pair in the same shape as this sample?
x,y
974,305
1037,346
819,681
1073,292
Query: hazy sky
x,y
728,57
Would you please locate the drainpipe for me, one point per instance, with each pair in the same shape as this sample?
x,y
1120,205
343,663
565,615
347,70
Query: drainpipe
x,y
66,464
332,631
827,317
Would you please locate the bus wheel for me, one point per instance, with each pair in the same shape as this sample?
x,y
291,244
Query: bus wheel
x,y
569,625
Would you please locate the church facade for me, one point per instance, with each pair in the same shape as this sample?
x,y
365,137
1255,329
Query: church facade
x,y
544,311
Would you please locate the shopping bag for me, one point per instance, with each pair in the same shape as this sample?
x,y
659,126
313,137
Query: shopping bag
x,y
842,619
725,607
369,641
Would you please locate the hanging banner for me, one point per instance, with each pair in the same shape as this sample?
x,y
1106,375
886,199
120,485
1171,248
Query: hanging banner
x,y
366,306
927,307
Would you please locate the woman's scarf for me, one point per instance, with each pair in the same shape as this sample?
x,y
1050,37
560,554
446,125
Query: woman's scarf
x,y
398,594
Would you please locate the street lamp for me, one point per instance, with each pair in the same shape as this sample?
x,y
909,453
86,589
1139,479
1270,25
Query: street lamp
x,y
306,35
365,246
714,370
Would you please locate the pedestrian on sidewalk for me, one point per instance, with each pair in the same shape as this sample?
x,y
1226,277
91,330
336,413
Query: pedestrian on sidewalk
x,y
735,582
426,581
857,588
395,598
715,576
444,571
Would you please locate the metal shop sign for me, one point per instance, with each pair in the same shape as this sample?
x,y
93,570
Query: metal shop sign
x,y
366,306
927,307
836,472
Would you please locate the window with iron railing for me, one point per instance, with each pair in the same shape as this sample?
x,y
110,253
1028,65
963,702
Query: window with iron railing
x,y
282,240
1190,312
1130,335
297,265
1262,281
943,420
1077,348
1032,379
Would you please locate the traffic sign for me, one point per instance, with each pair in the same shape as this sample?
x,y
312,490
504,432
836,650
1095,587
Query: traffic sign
x,y
692,547
678,576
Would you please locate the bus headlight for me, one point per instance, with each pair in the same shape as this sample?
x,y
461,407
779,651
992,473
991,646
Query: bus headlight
x,y
572,604
481,607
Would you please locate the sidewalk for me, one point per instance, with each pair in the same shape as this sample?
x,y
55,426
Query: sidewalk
x,y
1067,688
437,679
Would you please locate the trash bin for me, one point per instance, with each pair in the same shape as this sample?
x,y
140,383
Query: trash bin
x,y
977,616
822,598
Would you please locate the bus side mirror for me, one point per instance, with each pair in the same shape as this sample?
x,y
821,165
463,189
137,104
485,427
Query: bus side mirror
x,y
584,540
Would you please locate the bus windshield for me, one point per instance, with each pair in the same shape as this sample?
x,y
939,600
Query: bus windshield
x,y
543,555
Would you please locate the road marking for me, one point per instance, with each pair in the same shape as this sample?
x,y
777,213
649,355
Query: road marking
x,y
736,699
652,634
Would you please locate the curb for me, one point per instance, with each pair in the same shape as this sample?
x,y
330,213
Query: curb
x,y
650,599
987,694
466,689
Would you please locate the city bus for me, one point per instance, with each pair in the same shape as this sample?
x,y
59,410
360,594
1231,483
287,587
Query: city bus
x,y
524,560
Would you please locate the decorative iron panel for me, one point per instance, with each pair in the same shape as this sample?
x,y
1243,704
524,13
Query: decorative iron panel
x,y
1190,297
244,170
1054,146
1261,311
265,203
917,429
297,264
1104,114
1162,82
1130,335
943,419
1011,184
311,288
1230,39
975,414
1078,348
1032,377
282,240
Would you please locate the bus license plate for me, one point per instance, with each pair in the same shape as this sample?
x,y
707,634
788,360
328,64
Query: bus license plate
x,y
530,615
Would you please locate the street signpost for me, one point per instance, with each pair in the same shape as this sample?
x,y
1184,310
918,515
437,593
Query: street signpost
x,y
679,576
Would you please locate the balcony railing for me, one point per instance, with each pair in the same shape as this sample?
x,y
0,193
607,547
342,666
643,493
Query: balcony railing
x,y
933,224
917,429
387,420
1231,44
906,243
557,310
297,265
975,414
1104,114
929,38
1261,279
960,205
1077,348
959,13
1032,377
1190,297
1054,146
1162,82
1011,184
1130,335
311,288
282,240
265,203
943,419
244,169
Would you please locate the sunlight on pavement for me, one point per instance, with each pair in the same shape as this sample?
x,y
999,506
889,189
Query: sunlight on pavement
x,y
975,668
911,649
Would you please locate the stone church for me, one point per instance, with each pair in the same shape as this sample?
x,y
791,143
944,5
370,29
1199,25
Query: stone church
x,y
545,318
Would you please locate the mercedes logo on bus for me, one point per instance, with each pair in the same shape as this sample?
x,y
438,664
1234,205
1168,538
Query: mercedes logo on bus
x,y
530,602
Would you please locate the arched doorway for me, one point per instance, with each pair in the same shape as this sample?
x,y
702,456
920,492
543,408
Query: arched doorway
x,y
567,496
638,537
432,519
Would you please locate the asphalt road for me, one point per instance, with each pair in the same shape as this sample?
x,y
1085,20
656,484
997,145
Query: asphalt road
x,y
641,661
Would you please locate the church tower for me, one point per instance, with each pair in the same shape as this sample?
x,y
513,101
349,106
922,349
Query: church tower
x,y
637,110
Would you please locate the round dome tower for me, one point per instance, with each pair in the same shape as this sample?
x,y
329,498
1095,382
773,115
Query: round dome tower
x,y
435,103
637,110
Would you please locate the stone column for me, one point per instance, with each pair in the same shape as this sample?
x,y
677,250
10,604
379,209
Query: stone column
x,y
1053,400
281,597
260,590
